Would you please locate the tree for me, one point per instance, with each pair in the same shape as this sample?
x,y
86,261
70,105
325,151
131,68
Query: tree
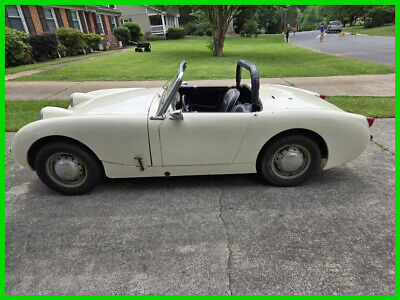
x,y
219,17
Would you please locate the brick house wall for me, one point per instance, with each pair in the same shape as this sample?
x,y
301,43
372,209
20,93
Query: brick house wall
x,y
36,19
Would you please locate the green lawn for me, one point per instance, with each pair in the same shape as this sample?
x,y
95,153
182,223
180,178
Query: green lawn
x,y
22,112
377,107
36,65
382,31
272,56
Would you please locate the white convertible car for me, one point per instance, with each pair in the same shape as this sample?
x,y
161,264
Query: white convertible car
x,y
283,133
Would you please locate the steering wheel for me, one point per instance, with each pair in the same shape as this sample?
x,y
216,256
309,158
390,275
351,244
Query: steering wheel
x,y
184,107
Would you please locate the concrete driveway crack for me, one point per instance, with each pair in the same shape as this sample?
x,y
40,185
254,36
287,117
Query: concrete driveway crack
x,y
229,243
383,147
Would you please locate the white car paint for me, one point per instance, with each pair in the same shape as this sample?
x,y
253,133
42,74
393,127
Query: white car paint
x,y
117,125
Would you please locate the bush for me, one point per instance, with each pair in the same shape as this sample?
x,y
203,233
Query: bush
x,y
134,30
72,39
191,28
379,15
122,34
44,46
148,36
175,33
209,32
62,51
93,40
16,47
211,46
250,27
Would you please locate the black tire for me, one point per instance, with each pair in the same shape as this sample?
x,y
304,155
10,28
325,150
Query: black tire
x,y
89,165
302,146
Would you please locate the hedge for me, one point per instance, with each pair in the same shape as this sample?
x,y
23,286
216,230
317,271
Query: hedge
x,y
175,33
122,34
72,39
44,46
16,47
134,30
93,40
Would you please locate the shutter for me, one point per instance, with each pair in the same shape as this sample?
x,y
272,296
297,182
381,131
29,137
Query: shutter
x,y
58,17
69,17
96,27
83,23
8,24
103,20
28,19
42,18
109,22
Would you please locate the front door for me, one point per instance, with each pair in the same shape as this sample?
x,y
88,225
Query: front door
x,y
202,138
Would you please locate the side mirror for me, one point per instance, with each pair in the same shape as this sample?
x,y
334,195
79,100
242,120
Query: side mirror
x,y
176,115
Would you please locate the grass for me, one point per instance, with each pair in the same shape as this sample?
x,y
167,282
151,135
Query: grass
x,y
380,31
377,107
22,112
272,56
57,61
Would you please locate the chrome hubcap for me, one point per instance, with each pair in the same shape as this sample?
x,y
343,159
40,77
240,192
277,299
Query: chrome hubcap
x,y
66,169
291,161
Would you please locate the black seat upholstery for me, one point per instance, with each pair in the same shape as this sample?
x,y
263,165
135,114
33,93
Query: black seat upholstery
x,y
229,100
246,107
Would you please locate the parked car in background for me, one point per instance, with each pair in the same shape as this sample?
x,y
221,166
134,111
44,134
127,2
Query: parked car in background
x,y
334,26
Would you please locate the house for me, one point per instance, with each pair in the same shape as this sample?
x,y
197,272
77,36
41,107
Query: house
x,y
149,18
35,19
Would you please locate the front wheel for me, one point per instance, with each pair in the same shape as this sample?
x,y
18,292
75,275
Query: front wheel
x,y
68,168
290,160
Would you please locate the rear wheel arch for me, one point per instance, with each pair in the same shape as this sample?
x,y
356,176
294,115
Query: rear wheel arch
x,y
296,131
36,146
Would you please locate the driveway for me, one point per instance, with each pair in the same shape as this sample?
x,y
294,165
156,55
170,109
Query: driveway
x,y
207,234
378,49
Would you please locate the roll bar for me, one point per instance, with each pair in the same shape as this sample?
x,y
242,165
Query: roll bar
x,y
255,79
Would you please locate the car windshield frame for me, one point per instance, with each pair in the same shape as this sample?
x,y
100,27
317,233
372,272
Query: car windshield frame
x,y
170,89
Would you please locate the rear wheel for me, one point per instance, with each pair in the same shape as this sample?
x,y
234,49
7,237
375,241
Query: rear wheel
x,y
290,160
68,168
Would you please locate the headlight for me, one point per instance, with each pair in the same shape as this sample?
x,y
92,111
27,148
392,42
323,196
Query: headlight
x,y
41,114
71,100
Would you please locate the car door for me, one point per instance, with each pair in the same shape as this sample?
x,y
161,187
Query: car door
x,y
202,138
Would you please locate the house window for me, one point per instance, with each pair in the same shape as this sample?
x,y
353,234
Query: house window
x,y
50,18
16,19
99,24
76,23
111,6
113,23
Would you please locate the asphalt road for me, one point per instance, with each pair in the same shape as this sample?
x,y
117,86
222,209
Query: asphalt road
x,y
376,49
207,234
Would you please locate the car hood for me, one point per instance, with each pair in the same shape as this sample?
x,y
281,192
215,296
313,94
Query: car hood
x,y
115,102
127,101
275,96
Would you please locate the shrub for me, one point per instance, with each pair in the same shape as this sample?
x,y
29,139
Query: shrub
x,y
62,51
175,33
191,28
16,47
72,39
209,32
379,15
134,30
211,46
148,36
122,34
250,27
93,40
44,45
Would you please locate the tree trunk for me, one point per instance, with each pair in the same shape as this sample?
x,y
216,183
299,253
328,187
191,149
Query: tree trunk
x,y
219,17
